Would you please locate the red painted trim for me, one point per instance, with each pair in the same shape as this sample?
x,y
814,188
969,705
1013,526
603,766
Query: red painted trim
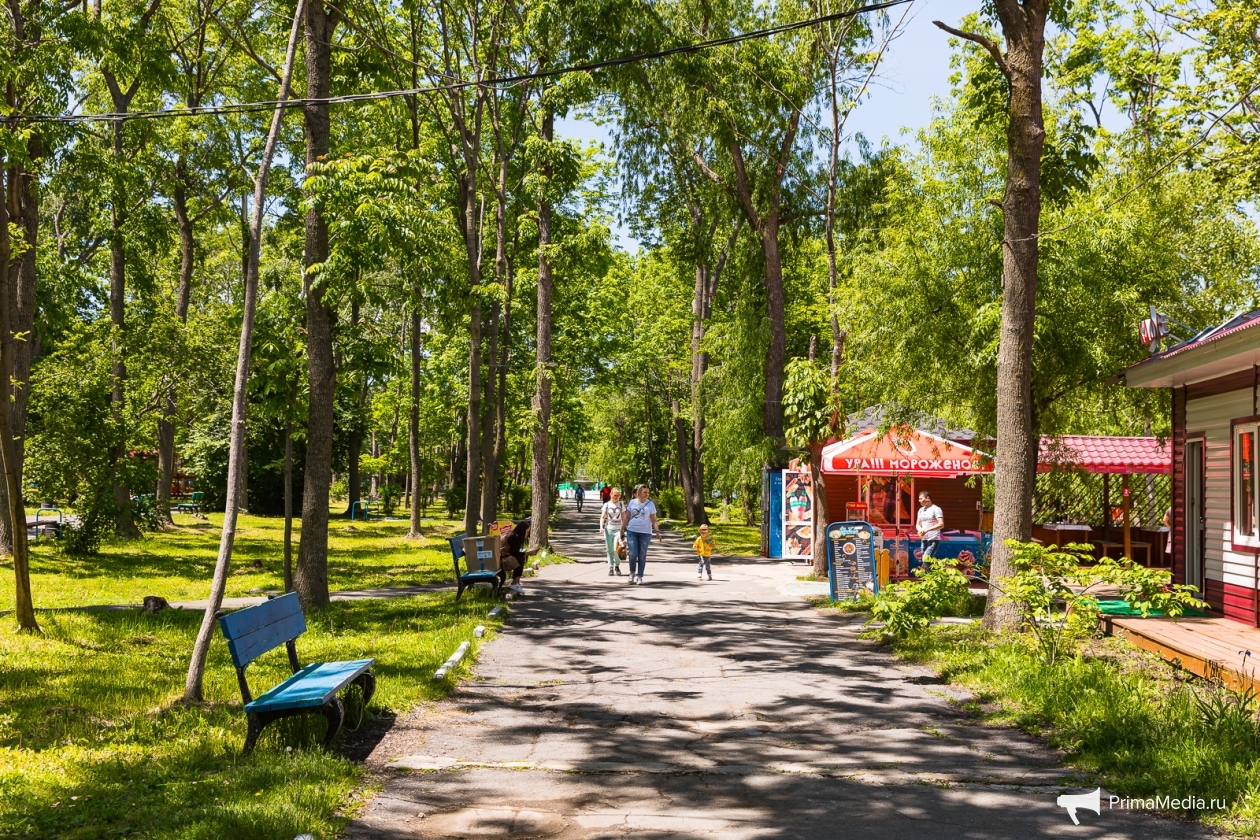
x,y
1239,381
1237,547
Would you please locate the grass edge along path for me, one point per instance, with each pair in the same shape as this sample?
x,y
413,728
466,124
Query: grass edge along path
x,y
94,743
1140,726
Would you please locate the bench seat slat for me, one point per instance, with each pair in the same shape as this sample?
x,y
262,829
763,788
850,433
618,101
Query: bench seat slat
x,y
310,687
479,575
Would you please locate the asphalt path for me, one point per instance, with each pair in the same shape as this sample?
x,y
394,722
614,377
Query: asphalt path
x,y
687,709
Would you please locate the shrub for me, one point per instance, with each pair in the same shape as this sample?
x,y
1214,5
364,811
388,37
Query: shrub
x,y
390,495
1052,590
938,589
671,502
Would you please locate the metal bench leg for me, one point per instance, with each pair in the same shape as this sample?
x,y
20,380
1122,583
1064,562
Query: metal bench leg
x,y
368,680
335,712
460,590
256,724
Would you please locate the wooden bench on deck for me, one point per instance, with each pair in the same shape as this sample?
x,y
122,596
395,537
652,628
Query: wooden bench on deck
x,y
477,569
253,631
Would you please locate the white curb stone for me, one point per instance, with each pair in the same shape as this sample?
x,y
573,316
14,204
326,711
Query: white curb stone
x,y
440,673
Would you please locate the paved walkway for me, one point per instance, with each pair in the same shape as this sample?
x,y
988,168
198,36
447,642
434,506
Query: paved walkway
x,y
687,709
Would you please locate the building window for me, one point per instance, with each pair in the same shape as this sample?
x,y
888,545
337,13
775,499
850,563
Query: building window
x,y
1245,485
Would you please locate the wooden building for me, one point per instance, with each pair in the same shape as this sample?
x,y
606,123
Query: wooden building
x,y
1214,378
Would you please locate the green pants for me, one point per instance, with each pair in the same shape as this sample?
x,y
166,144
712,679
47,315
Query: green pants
x,y
610,538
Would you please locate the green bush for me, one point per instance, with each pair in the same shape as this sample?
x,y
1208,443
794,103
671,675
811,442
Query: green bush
x,y
671,503
938,589
390,494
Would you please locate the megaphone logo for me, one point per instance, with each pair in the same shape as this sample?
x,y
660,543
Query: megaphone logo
x,y
1091,801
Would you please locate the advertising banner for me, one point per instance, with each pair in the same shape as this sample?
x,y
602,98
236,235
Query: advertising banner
x,y
798,515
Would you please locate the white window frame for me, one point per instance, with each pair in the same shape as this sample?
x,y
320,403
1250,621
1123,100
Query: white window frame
x,y
1251,540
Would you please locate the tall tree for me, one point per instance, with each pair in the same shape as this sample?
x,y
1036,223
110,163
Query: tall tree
x,y
311,576
543,371
1015,462
240,392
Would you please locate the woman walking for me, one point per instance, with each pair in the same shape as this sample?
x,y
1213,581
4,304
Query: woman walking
x,y
638,523
610,523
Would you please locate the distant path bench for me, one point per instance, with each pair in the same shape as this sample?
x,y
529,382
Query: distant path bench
x,y
193,505
253,631
479,571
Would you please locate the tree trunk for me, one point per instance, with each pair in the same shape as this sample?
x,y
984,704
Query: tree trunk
x,y
700,301
413,427
541,473
821,514
166,424
776,354
489,469
124,525
472,489
235,481
1015,463
24,607
310,579
288,506
22,196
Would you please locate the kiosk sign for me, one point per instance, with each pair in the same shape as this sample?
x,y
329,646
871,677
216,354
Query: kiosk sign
x,y
851,553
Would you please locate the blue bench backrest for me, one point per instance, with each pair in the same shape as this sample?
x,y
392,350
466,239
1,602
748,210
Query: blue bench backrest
x,y
253,631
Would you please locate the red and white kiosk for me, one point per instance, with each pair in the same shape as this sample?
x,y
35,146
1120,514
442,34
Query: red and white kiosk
x,y
877,477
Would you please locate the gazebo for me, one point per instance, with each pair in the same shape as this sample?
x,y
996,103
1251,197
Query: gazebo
x,y
1077,500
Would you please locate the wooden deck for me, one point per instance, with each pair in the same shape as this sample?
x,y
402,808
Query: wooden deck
x,y
1214,648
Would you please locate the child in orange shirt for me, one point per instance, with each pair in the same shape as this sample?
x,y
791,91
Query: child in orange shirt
x,y
703,546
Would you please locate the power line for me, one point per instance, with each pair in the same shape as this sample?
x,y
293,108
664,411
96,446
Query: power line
x,y
506,81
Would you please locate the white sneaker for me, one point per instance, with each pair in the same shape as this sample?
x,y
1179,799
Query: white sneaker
x,y
517,588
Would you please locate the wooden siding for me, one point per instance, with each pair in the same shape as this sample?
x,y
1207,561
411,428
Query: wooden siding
x,y
1230,576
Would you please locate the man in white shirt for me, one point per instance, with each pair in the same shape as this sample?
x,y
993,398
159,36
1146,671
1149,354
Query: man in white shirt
x,y
929,524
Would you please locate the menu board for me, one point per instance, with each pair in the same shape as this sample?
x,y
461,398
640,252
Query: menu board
x,y
851,546
798,515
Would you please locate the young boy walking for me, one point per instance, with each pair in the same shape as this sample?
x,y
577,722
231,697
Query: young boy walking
x,y
703,546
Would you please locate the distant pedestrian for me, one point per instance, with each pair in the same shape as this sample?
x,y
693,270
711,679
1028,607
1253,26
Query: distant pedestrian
x,y
579,495
929,524
605,493
703,546
610,524
638,524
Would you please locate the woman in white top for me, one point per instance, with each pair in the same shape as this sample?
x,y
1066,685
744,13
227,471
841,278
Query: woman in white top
x,y
638,523
610,523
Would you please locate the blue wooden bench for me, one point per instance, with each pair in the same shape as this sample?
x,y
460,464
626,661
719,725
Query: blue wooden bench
x,y
477,571
253,631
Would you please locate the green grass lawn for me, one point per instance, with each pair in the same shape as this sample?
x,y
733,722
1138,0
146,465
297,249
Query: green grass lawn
x,y
732,539
177,563
93,740
1142,727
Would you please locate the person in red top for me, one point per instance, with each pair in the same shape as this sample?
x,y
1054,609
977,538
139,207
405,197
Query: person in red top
x,y
605,493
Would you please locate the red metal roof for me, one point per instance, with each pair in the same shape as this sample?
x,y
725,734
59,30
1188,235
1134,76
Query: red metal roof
x,y
1100,454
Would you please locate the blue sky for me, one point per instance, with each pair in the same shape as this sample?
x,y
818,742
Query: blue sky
x,y
914,69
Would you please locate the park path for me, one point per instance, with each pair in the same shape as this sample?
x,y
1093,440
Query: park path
x,y
688,709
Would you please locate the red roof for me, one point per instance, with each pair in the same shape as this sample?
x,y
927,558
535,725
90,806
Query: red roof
x,y
1099,454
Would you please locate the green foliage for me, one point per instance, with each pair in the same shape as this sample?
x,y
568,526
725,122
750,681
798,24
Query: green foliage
x,y
938,589
807,404
390,496
671,503
1052,587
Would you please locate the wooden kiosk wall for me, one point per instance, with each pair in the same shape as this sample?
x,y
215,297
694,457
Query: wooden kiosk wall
x,y
957,500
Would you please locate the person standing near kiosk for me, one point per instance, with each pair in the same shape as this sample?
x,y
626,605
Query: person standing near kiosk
x,y
930,521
